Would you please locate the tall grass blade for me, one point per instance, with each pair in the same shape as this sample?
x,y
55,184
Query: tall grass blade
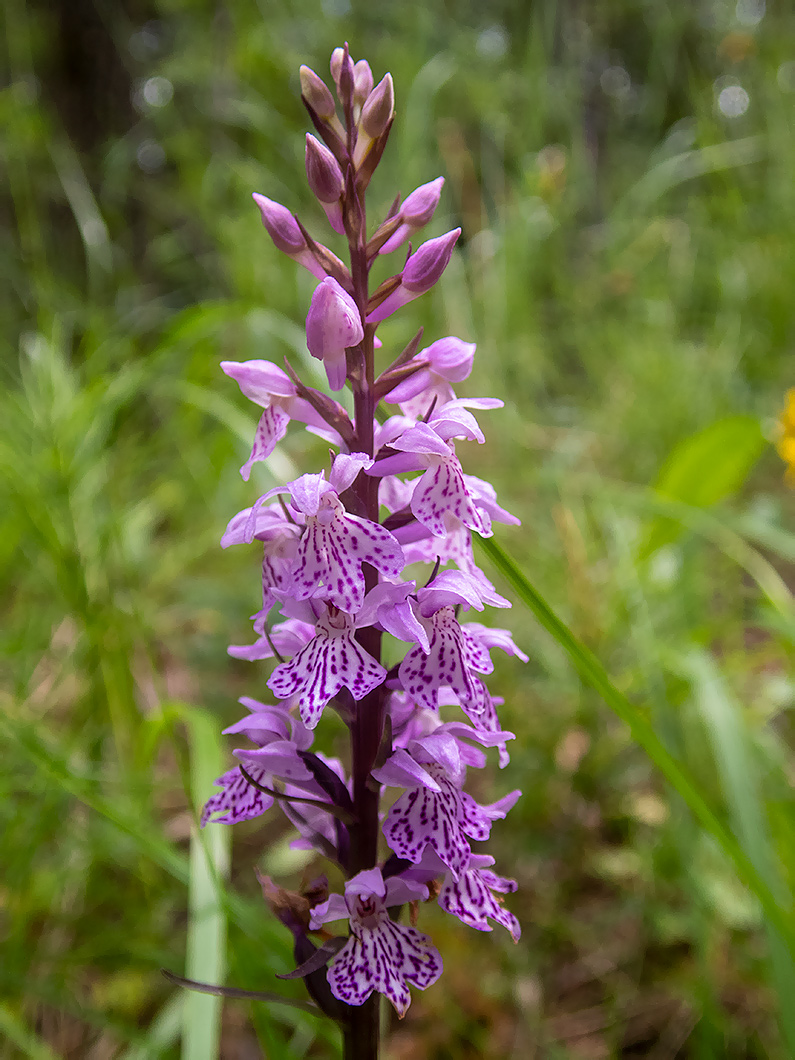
x,y
595,675
737,768
209,865
163,1031
14,1030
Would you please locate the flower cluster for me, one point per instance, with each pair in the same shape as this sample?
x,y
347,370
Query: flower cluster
x,y
343,550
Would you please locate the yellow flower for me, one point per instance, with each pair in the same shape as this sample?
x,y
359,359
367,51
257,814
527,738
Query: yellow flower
x,y
786,437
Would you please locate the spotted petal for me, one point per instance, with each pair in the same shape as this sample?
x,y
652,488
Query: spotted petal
x,y
331,660
476,820
442,491
470,898
385,957
331,553
271,428
422,817
238,800
423,675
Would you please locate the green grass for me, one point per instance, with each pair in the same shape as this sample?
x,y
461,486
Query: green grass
x,y
626,268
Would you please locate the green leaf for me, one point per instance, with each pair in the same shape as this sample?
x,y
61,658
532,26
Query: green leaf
x,y
14,1030
162,1033
737,767
594,674
705,468
209,865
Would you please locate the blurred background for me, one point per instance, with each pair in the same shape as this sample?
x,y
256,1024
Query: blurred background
x,y
623,174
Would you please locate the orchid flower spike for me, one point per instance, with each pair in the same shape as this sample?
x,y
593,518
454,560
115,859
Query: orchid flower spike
x,y
341,549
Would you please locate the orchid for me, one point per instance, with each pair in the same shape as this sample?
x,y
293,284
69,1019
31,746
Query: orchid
x,y
335,546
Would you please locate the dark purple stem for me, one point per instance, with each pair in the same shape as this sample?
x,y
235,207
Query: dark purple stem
x,y
361,1040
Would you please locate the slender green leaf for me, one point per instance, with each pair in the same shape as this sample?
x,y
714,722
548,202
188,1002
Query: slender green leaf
x,y
209,865
163,1031
13,1028
738,772
595,675
706,468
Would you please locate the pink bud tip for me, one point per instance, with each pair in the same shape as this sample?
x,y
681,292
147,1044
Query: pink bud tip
x,y
362,81
337,59
415,212
419,207
316,93
379,108
427,264
323,171
281,225
335,64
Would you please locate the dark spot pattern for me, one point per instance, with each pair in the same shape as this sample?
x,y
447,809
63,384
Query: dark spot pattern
x,y
238,800
485,719
422,817
383,956
331,660
332,550
272,427
442,490
450,662
470,898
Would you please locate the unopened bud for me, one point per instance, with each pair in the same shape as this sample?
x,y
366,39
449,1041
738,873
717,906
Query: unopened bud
x,y
281,225
332,324
326,180
336,66
429,261
362,82
323,171
287,236
378,110
317,94
419,207
415,212
445,361
423,269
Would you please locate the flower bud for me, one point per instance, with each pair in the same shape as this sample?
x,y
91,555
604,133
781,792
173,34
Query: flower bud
x,y
415,212
448,360
326,180
378,110
428,262
423,269
317,94
287,236
332,324
336,65
323,171
419,207
362,82
281,225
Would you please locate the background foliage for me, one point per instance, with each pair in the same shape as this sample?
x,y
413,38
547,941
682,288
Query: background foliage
x,y
622,171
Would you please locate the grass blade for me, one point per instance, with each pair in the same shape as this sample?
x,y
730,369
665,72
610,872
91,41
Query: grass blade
x,y
209,865
163,1031
14,1030
738,773
595,675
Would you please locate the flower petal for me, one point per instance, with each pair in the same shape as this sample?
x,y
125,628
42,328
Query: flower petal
x,y
470,899
331,660
238,800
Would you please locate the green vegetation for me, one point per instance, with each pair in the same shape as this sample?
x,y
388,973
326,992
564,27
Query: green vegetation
x,y
627,267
